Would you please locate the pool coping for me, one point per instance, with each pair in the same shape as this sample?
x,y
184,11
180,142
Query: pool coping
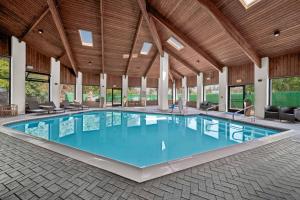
x,y
135,173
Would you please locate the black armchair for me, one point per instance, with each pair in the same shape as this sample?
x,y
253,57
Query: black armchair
x,y
287,113
205,105
272,112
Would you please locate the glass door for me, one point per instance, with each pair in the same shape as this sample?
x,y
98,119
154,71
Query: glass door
x,y
116,97
236,98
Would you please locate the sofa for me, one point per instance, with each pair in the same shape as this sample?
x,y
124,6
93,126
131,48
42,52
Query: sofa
x,y
272,112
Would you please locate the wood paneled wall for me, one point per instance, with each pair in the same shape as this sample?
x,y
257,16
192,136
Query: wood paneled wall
x,y
114,81
4,45
152,83
66,75
90,79
170,83
178,83
285,66
241,75
40,63
134,81
211,77
192,81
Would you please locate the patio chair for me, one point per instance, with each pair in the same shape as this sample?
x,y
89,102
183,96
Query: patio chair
x,y
67,106
272,112
287,113
56,109
33,107
79,105
205,105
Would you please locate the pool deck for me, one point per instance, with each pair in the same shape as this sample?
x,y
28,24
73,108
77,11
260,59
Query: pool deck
x,y
271,171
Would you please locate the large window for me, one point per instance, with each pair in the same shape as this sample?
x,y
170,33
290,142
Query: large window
x,y
192,94
170,94
67,92
179,92
37,87
151,94
134,94
286,92
4,80
90,93
211,93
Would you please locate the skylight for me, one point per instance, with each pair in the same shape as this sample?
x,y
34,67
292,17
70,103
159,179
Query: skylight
x,y
146,48
86,38
175,43
248,3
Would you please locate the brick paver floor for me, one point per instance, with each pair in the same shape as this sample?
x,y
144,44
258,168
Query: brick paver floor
x,y
268,172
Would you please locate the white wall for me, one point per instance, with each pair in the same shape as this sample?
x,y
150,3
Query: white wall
x,y
103,83
55,82
163,82
223,90
261,86
79,87
184,92
144,89
18,69
199,89
124,88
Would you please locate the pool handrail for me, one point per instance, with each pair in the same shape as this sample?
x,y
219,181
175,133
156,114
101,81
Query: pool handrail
x,y
233,114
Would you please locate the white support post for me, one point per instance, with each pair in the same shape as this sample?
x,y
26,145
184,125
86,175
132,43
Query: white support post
x,y
223,90
124,88
103,83
144,90
18,69
261,87
55,82
79,87
164,81
174,92
199,89
185,91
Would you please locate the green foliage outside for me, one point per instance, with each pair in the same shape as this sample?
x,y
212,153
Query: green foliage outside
x,y
151,94
116,93
4,80
67,92
90,93
212,98
37,91
193,94
134,94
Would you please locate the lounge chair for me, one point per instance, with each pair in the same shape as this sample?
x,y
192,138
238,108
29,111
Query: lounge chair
x,y
34,107
67,106
297,113
56,109
79,105
272,112
287,113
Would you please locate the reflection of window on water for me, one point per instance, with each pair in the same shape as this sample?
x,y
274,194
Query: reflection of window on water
x,y
133,120
192,123
211,128
91,122
66,126
117,119
113,119
152,119
40,129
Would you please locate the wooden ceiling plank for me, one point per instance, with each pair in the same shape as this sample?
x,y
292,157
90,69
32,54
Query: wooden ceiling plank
x,y
175,72
231,30
151,64
58,23
138,28
34,24
102,35
186,40
179,59
171,76
151,25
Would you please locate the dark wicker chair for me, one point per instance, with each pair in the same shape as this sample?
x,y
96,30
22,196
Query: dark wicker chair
x,y
272,112
287,113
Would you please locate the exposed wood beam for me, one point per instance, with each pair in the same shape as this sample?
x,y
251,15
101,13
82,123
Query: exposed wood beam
x,y
151,64
151,25
171,76
58,23
34,24
102,36
179,59
231,30
177,73
184,38
138,28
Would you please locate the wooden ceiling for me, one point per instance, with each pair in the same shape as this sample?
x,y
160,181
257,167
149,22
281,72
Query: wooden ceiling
x,y
214,33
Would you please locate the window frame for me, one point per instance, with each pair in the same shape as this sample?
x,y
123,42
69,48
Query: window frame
x,y
9,77
39,81
156,93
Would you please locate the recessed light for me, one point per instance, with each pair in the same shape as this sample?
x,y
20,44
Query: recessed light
x,y
208,78
276,33
197,61
90,62
239,80
40,31
125,56
175,43
134,55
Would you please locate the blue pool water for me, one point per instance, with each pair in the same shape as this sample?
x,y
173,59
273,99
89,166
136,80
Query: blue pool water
x,y
141,139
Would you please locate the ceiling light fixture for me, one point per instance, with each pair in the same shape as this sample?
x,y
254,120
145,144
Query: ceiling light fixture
x,y
135,55
40,31
125,56
198,61
276,33
90,62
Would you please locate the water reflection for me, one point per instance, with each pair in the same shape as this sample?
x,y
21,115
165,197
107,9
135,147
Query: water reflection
x,y
211,128
133,120
91,122
39,129
66,126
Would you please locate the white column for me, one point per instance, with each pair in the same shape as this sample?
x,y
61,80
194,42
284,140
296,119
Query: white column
x,y
185,90
261,87
103,82
164,81
55,82
144,89
124,88
79,87
158,92
18,69
223,90
199,89
174,92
